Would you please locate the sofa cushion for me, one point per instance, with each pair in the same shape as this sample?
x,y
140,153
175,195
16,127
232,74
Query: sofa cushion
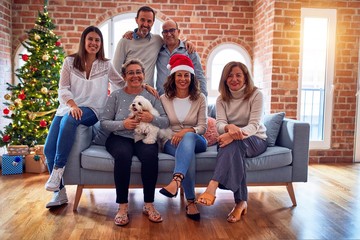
x,y
273,123
274,157
97,158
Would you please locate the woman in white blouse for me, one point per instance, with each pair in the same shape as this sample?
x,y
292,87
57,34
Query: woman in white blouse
x,y
83,91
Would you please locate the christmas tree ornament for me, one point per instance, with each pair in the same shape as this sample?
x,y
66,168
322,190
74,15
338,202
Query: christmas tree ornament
x,y
6,138
45,57
7,96
22,96
42,123
17,102
25,57
44,90
6,111
37,37
11,107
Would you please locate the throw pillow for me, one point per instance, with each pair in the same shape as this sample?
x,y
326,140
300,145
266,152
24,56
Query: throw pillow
x,y
211,133
273,123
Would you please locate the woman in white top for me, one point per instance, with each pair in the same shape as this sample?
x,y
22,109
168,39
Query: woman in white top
x,y
83,91
239,109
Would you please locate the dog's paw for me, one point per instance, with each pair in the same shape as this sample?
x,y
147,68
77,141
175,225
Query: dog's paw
x,y
148,141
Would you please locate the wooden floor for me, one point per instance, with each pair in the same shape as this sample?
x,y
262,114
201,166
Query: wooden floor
x,y
328,208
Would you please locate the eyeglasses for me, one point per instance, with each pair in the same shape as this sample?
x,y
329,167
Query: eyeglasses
x,y
171,31
132,73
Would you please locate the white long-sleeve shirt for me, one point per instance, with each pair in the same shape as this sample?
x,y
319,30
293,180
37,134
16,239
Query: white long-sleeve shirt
x,y
91,92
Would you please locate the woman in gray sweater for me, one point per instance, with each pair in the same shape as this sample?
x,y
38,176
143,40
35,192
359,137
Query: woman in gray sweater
x,y
239,110
122,146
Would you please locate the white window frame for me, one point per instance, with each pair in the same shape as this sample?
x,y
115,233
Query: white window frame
x,y
109,24
330,14
357,131
212,94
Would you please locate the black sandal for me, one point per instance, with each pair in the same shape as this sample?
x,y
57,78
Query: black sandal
x,y
177,177
195,216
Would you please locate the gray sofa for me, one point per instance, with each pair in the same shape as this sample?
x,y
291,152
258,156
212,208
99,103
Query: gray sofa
x,y
91,166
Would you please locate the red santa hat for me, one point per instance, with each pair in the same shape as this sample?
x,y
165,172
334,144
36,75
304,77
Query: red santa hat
x,y
180,62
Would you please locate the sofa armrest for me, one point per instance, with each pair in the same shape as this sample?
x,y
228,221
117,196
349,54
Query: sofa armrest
x,y
82,141
295,134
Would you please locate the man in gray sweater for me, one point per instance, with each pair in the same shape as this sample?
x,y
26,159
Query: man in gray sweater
x,y
143,45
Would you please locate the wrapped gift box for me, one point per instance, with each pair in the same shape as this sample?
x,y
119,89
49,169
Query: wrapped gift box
x,y
12,164
39,149
16,150
35,163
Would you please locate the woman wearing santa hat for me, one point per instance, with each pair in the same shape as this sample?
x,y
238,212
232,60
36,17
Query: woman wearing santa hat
x,y
186,108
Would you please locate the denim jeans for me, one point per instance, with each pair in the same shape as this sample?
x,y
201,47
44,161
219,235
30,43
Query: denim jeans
x,y
185,159
61,137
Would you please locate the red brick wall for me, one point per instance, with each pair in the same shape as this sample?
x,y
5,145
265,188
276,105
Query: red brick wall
x,y
262,27
263,49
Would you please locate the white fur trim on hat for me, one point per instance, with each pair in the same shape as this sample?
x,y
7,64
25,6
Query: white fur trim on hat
x,y
182,67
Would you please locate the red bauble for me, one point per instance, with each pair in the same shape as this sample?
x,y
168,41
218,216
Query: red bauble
x,y
21,96
6,111
55,57
43,123
25,57
6,138
58,44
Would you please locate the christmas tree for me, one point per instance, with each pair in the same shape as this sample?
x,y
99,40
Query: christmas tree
x,y
31,104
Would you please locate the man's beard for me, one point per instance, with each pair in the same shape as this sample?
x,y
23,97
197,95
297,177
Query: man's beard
x,y
144,31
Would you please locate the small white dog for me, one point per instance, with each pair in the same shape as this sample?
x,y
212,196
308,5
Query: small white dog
x,y
144,131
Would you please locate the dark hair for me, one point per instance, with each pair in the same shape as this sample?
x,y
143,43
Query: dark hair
x,y
224,88
131,62
146,9
170,87
79,57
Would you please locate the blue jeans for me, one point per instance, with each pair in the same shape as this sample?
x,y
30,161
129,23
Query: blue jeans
x,y
61,137
185,159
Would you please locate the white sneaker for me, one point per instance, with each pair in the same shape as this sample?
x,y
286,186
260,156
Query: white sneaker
x,y
53,184
59,198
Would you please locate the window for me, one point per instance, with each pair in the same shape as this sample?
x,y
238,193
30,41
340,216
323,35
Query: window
x,y
114,29
317,73
18,63
219,57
